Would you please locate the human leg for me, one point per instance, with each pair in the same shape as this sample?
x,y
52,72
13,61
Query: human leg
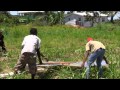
x,y
32,65
91,59
3,47
20,66
99,60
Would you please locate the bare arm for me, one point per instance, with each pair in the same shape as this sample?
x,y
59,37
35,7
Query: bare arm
x,y
42,54
39,56
85,57
44,57
105,60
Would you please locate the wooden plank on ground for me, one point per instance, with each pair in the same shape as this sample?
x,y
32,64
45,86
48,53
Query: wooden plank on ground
x,y
51,64
74,64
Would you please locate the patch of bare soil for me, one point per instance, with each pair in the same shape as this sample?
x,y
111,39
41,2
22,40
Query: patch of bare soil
x,y
3,59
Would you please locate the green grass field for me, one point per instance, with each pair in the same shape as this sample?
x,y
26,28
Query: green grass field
x,y
63,43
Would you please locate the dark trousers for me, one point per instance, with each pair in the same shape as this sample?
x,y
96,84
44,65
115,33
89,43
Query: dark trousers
x,y
96,55
3,46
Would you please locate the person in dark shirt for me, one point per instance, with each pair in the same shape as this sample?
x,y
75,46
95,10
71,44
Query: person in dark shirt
x,y
2,42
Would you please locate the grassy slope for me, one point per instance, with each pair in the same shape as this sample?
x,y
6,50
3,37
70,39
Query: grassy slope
x,y
61,43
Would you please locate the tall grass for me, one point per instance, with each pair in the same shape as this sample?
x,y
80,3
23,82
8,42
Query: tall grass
x,y
62,43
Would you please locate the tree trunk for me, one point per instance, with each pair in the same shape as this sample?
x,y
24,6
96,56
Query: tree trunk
x,y
92,23
112,21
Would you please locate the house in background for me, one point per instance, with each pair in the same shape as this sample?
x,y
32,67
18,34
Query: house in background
x,y
75,18
23,13
80,19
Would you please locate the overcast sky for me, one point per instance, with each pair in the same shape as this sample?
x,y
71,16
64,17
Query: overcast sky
x,y
116,16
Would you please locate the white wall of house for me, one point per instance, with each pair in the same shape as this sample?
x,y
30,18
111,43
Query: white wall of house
x,y
71,22
72,18
104,19
87,24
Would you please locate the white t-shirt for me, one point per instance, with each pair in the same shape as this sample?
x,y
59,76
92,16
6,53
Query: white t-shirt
x,y
30,44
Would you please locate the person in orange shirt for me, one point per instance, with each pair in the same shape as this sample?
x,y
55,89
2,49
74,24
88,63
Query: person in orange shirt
x,y
94,50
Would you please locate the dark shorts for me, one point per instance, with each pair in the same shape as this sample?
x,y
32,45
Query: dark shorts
x,y
27,58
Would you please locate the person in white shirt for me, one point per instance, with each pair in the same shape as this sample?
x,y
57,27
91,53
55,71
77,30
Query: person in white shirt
x,y
30,50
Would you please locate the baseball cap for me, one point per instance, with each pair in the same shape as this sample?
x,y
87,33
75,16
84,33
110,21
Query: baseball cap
x,y
89,39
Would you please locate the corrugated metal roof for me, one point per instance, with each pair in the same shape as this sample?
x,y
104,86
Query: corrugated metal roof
x,y
91,14
84,14
20,12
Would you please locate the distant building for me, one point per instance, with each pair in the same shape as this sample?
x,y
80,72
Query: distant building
x,y
75,18
80,19
22,13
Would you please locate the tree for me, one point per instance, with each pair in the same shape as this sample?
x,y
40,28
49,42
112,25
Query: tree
x,y
111,14
7,19
54,17
7,13
92,15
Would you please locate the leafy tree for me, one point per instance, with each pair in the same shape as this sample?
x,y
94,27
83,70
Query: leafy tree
x,y
111,14
7,19
93,17
54,17
7,13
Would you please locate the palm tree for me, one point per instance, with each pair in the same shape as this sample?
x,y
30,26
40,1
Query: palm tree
x,y
54,17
